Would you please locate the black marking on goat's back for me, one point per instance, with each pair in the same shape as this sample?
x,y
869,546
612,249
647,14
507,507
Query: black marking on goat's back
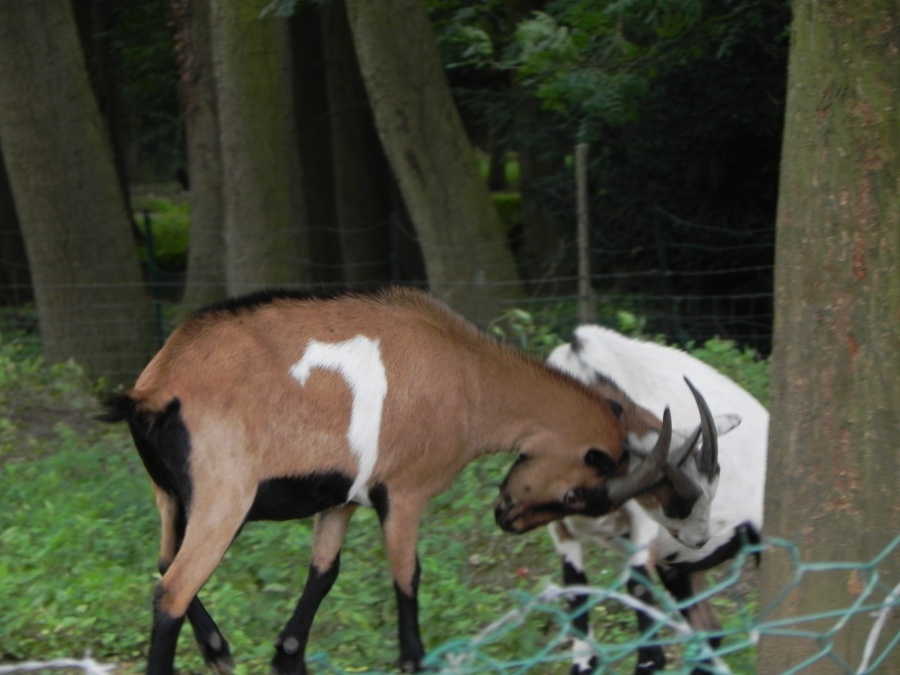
x,y
745,534
294,497
251,301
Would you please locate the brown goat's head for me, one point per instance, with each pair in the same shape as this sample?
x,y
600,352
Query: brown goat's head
x,y
544,485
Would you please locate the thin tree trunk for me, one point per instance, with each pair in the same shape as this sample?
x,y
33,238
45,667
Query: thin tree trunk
x,y
206,281
90,295
265,225
468,262
832,478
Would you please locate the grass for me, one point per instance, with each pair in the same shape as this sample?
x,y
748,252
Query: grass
x,y
78,547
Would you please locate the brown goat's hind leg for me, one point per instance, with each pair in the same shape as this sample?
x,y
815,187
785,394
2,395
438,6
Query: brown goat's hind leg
x,y
212,643
208,534
290,648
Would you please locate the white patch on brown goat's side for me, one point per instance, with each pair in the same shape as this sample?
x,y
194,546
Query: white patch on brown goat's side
x,y
358,362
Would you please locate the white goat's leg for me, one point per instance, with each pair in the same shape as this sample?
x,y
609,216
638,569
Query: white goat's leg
x,y
570,550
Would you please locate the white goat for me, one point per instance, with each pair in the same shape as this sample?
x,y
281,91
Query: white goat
x,y
719,508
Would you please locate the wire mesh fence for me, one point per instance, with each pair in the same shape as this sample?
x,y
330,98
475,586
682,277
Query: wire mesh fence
x,y
685,303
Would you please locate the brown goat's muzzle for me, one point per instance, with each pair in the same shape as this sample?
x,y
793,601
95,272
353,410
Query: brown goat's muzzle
x,y
517,519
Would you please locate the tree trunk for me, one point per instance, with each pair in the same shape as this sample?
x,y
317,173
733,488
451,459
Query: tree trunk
x,y
468,262
96,23
832,478
362,178
206,281
265,226
15,277
90,295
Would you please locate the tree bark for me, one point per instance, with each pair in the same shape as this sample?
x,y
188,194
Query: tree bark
x,y
206,280
15,276
832,478
362,178
265,222
468,262
90,295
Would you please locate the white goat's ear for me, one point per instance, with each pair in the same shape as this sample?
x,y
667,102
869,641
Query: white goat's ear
x,y
726,423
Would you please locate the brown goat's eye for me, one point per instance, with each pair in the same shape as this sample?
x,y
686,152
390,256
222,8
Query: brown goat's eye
x,y
602,462
570,498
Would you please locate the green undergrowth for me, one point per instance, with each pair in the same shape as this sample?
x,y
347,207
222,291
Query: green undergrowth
x,y
78,549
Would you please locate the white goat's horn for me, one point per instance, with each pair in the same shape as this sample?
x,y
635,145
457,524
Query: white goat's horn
x,y
709,453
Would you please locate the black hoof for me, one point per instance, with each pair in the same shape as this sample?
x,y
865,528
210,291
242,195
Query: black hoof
x,y
288,659
216,653
578,669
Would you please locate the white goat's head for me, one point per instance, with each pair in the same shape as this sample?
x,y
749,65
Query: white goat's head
x,y
682,503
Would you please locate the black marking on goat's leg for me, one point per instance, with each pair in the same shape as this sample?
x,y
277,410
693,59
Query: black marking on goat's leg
x,y
411,650
290,649
700,615
650,658
400,524
213,645
572,576
163,638
328,532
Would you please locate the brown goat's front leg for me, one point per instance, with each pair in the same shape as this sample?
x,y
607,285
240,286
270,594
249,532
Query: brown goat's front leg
x,y
328,537
400,523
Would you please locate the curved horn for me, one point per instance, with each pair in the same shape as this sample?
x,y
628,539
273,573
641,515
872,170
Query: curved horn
x,y
650,470
683,485
679,456
709,453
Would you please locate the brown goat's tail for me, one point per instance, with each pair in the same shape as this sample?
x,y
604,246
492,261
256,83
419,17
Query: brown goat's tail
x,y
118,408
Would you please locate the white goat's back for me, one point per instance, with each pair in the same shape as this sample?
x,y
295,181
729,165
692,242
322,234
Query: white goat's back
x,y
653,376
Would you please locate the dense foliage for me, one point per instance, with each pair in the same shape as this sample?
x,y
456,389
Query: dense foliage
x,y
682,104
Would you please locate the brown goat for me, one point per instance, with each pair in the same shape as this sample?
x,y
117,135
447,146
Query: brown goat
x,y
279,406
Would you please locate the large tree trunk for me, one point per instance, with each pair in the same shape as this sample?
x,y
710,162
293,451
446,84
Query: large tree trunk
x,y
462,238
90,295
832,478
362,178
206,281
265,224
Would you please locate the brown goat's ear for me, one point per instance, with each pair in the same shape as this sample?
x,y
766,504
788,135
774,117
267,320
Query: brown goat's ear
x,y
598,459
